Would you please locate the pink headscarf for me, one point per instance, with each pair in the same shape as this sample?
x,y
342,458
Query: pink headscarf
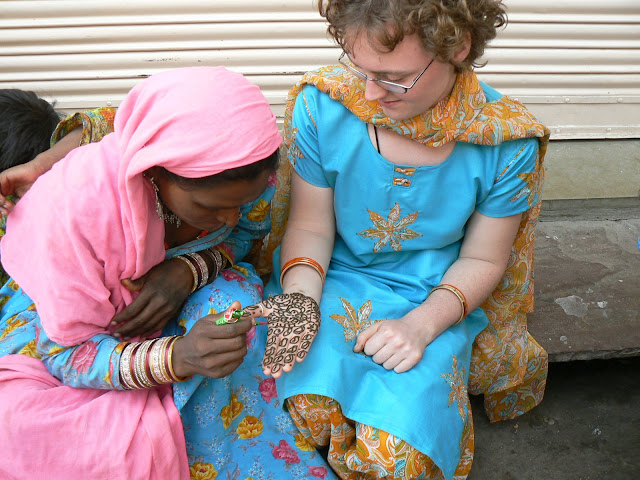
x,y
91,220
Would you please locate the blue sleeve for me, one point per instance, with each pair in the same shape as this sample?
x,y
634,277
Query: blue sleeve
x,y
91,364
304,154
517,185
254,224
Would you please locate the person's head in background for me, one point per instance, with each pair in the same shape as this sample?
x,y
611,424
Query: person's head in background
x,y
26,124
421,44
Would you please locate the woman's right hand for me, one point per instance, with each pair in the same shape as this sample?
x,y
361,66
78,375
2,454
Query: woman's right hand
x,y
212,350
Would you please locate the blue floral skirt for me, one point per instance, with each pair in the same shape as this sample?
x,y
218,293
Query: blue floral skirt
x,y
235,427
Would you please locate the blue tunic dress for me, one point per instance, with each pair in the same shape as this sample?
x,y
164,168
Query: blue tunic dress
x,y
398,229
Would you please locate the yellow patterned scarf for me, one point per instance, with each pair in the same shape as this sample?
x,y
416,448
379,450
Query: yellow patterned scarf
x,y
504,351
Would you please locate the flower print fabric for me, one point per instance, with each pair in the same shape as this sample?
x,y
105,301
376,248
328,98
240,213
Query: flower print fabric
x,y
234,426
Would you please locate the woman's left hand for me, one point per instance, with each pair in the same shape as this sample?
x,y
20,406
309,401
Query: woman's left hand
x,y
293,322
163,290
394,343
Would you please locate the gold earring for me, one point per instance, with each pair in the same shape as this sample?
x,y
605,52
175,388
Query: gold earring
x,y
160,207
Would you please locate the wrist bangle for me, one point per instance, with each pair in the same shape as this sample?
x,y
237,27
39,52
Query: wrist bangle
x,y
193,271
141,364
302,261
223,254
457,293
169,361
215,270
156,362
126,379
204,270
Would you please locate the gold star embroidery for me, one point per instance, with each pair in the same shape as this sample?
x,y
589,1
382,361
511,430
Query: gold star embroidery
x,y
295,153
458,388
532,179
392,230
354,323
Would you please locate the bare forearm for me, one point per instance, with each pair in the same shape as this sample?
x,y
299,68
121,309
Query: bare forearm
x,y
475,278
302,242
48,158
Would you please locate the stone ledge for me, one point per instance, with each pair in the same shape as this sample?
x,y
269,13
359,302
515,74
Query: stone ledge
x,y
587,284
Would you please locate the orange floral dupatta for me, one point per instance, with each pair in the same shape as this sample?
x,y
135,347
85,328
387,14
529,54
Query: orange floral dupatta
x,y
508,366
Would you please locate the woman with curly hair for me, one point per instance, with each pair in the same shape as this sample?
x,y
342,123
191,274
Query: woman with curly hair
x,y
415,190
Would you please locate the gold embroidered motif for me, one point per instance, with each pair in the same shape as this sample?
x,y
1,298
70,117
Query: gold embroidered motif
x,y
392,230
295,153
353,322
532,179
402,182
458,388
259,211
405,171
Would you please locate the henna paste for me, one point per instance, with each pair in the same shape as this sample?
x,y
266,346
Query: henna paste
x,y
293,324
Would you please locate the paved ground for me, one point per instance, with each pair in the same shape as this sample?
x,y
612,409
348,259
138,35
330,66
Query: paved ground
x,y
587,316
587,428
587,281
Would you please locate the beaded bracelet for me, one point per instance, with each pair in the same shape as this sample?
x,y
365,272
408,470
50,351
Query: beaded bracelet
x,y
457,293
302,261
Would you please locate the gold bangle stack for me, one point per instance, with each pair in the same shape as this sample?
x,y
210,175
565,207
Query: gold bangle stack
x,y
148,364
457,293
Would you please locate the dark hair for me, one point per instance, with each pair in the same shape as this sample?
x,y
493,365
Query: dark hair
x,y
26,125
247,172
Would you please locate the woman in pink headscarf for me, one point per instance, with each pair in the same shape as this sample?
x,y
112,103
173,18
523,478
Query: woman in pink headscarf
x,y
193,151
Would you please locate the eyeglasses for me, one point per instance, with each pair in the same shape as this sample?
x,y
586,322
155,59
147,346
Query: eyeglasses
x,y
390,86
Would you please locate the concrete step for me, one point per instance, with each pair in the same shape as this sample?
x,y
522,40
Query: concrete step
x,y
587,280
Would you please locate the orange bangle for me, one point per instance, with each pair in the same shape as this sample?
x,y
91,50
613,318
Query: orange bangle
x,y
457,293
302,261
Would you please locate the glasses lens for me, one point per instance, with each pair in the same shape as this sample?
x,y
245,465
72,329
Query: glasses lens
x,y
391,88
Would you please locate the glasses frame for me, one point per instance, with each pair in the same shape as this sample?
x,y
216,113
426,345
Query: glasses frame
x,y
387,85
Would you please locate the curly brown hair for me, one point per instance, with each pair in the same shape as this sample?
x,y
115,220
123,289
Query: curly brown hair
x,y
441,25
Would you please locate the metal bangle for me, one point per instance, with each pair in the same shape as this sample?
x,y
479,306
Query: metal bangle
x,y
126,379
156,360
193,271
458,294
204,270
141,364
169,361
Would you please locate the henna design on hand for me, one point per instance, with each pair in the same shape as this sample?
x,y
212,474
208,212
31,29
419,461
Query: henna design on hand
x,y
293,325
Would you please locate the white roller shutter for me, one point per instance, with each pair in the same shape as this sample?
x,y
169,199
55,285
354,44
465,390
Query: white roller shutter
x,y
576,63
